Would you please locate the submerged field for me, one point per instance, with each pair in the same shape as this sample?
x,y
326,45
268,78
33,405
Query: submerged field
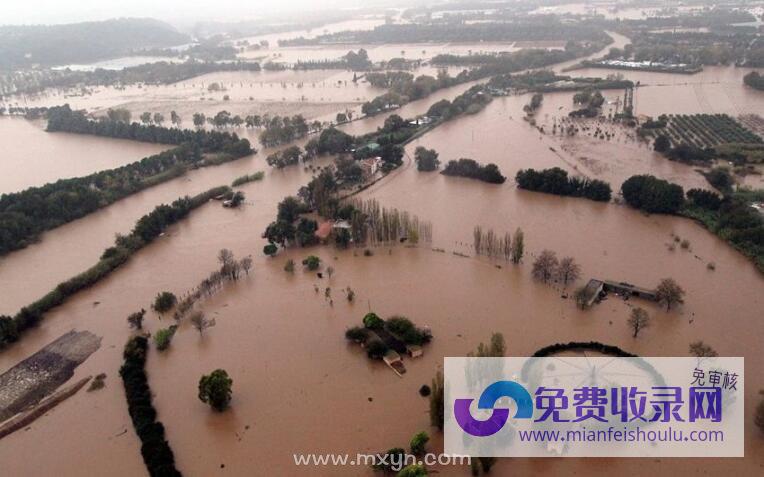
x,y
33,157
298,385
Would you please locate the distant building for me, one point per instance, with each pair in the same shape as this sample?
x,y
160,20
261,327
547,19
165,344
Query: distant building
x,y
596,288
422,120
370,166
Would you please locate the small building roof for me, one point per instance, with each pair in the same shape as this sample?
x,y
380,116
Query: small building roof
x,y
324,230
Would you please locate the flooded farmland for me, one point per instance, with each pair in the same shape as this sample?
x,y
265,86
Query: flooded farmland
x,y
299,385
35,157
271,319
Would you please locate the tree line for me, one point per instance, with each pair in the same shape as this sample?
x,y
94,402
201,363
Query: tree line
x,y
36,81
491,244
25,215
556,181
465,167
146,229
83,42
157,454
403,87
541,27
731,216
280,130
64,119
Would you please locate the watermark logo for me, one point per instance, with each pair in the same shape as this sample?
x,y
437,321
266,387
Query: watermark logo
x,y
499,416
594,406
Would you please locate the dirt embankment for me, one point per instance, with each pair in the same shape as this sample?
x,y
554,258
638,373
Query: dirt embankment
x,y
42,373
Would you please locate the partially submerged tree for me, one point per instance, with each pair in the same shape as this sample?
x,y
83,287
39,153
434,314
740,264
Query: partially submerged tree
x,y
638,320
437,401
289,266
518,246
135,320
215,389
426,159
545,266
418,443
568,271
582,296
270,249
246,264
702,350
164,301
669,293
373,321
413,470
163,337
201,322
758,418
311,262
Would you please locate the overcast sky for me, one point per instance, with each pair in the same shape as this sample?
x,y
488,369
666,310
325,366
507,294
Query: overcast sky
x,y
176,11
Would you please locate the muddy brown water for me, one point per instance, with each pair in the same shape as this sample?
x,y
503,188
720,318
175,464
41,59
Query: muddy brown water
x,y
298,386
32,157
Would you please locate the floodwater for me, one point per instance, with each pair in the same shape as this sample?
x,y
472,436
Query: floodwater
x,y
33,157
298,386
380,52
118,63
611,10
716,89
312,93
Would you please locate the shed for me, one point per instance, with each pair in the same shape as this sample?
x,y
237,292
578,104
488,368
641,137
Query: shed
x,y
393,359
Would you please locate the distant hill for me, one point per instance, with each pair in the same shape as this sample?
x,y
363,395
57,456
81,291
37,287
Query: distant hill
x,y
51,45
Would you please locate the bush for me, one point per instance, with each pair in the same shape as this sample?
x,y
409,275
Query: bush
x,y
289,266
376,349
721,179
8,331
270,249
373,321
407,332
661,143
215,389
418,442
704,199
311,262
163,337
164,302
759,417
356,334
392,458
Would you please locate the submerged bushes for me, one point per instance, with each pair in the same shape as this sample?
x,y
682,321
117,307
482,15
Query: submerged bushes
x,y
156,451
